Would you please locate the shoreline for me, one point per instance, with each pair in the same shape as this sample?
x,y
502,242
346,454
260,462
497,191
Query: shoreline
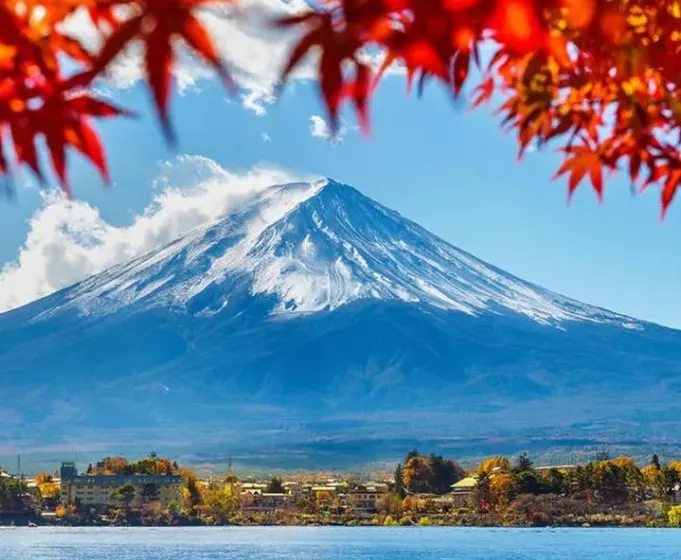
x,y
338,526
355,523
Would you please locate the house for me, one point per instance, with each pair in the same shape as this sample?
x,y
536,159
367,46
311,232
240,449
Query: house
x,y
462,493
363,500
268,502
253,487
96,490
381,487
296,489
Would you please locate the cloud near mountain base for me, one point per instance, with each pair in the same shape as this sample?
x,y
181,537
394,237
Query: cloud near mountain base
x,y
69,240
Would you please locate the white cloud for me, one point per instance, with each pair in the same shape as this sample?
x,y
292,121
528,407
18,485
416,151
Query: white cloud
x,y
255,101
69,240
319,128
266,137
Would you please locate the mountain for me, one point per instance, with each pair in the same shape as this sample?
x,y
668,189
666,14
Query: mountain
x,y
313,326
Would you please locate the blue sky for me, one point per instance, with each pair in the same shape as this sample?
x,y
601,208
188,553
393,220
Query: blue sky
x,y
451,170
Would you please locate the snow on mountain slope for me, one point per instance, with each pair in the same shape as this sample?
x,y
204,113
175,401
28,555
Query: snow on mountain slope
x,y
316,247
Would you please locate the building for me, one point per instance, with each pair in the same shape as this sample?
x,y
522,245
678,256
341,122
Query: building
x,y
562,468
96,490
266,502
463,492
363,500
253,487
296,489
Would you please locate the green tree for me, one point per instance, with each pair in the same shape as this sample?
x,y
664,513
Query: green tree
x,y
13,495
634,482
527,482
556,482
610,482
523,464
668,480
398,489
125,495
413,453
150,492
276,486
431,474
483,493
192,493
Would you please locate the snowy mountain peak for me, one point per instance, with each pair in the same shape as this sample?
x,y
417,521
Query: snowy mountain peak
x,y
313,247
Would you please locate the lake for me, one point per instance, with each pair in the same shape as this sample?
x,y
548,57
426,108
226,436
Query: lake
x,y
320,543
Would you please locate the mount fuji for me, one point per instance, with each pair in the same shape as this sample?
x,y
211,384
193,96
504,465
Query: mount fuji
x,y
312,326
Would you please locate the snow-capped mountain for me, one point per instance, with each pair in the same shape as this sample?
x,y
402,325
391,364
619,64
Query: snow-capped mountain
x,y
316,247
313,321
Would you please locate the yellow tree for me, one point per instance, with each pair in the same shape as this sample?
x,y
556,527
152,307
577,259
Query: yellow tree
x,y
674,516
675,466
43,477
114,465
48,490
494,464
221,500
502,487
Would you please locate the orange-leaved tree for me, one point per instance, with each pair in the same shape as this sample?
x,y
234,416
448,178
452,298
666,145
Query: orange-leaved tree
x,y
599,77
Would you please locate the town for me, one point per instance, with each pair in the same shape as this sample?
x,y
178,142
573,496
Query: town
x,y
423,490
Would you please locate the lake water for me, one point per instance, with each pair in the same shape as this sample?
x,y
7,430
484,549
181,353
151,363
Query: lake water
x,y
375,543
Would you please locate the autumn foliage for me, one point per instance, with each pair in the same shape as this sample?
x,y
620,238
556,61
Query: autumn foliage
x,y
150,465
598,77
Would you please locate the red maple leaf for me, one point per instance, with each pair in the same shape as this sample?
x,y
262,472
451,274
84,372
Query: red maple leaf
x,y
337,47
581,160
157,25
63,120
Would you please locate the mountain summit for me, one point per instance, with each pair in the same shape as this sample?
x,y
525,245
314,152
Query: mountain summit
x,y
314,322
313,248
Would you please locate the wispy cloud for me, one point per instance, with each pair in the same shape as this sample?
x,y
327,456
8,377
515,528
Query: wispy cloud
x,y
266,137
69,240
320,128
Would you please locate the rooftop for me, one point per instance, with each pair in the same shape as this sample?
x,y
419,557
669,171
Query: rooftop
x,y
120,479
468,483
